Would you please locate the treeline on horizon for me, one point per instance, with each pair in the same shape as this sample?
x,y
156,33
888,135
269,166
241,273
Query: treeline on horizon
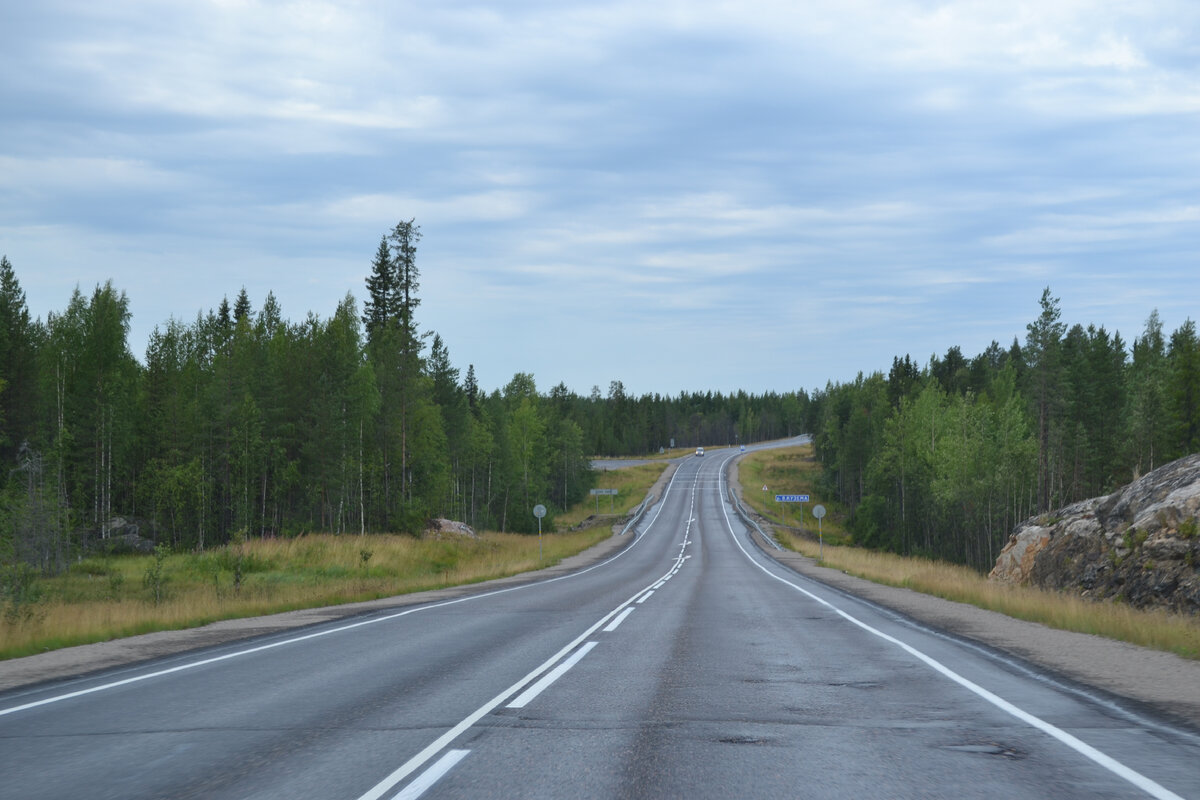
x,y
945,460
245,424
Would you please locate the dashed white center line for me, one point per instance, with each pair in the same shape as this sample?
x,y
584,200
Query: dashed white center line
x,y
526,697
612,626
432,775
612,620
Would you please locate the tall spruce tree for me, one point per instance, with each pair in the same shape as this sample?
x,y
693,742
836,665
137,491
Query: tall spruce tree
x,y
1183,387
377,310
18,351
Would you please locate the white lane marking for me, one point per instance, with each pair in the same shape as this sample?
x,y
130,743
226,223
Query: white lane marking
x,y
526,697
439,744
645,597
1147,785
339,629
432,775
612,626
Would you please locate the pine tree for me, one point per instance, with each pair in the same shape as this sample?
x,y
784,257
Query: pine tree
x,y
1043,356
1147,399
241,308
404,239
471,387
380,290
1183,389
17,359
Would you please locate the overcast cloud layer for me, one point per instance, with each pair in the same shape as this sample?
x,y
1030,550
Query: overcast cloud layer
x,y
682,196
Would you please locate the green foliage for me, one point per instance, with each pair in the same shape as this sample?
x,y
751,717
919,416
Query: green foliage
x,y
155,577
1188,528
245,421
965,449
1183,389
20,591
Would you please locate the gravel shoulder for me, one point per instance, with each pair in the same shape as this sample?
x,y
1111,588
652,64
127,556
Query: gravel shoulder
x,y
1132,676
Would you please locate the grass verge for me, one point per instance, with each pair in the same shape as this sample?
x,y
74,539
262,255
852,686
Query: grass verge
x,y
793,470
106,598
1161,630
790,470
631,484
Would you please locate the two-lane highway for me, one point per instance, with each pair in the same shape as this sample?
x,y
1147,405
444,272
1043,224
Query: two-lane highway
x,y
689,665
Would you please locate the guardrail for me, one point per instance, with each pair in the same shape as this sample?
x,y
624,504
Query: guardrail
x,y
637,514
742,512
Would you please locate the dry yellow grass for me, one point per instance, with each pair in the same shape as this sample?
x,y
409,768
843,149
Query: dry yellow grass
x,y
1160,630
108,598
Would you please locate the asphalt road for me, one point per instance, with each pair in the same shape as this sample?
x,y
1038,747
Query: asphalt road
x,y
688,665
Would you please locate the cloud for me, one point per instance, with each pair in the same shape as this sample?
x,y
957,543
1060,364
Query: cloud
x,y
902,171
382,209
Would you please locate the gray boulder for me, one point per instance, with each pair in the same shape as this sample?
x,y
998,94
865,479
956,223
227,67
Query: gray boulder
x,y
1138,545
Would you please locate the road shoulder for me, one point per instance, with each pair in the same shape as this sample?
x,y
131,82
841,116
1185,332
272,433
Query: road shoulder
x,y
1164,682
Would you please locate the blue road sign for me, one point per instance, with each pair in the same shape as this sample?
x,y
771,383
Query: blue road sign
x,y
791,498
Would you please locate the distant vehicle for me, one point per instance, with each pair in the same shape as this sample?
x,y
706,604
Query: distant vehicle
x,y
699,451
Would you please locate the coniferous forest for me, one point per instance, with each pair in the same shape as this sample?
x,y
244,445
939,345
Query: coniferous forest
x,y
944,460
244,423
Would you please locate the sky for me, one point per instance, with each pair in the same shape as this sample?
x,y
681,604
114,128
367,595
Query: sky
x,y
683,196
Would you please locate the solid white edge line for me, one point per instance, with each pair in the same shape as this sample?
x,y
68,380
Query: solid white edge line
x,y
526,697
339,629
1139,780
432,775
612,626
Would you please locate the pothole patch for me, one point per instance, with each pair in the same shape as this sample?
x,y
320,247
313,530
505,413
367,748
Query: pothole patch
x,y
985,749
743,740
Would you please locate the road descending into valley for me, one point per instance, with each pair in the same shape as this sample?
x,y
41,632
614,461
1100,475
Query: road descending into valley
x,y
689,665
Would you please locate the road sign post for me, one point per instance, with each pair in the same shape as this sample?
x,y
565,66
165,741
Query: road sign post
x,y
819,513
792,498
539,511
612,498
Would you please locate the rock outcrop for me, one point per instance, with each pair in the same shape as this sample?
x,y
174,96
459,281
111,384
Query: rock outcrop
x,y
1139,545
447,528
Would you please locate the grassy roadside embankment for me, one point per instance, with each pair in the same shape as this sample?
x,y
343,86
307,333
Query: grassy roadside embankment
x,y
102,598
631,484
794,471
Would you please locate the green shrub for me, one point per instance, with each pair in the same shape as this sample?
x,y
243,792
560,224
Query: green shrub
x,y
1187,528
